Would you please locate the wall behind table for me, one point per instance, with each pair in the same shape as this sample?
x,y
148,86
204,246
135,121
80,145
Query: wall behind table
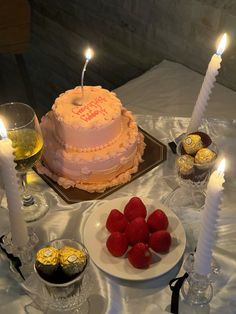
x,y
128,36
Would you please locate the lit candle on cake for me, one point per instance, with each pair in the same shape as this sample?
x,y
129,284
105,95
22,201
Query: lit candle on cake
x,y
88,55
8,172
208,83
206,239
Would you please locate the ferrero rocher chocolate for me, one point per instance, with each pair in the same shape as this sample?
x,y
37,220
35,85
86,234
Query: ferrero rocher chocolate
x,y
206,140
72,260
204,156
192,143
47,260
185,164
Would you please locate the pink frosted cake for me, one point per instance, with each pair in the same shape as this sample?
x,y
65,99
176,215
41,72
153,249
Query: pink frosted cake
x,y
91,143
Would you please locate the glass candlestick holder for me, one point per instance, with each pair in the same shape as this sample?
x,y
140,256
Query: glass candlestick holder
x,y
197,289
21,259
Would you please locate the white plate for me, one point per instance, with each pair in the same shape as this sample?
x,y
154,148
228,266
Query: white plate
x,y
95,236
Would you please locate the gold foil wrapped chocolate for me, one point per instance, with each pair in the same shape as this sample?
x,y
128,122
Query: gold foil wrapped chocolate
x,y
48,256
204,156
72,260
185,164
47,260
192,143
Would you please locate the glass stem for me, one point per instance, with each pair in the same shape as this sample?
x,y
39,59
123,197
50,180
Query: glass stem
x,y
27,198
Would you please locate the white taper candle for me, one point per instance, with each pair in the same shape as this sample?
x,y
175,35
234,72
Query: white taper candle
x,y
9,178
206,239
206,89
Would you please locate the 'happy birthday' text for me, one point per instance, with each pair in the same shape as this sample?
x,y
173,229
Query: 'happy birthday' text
x,y
91,109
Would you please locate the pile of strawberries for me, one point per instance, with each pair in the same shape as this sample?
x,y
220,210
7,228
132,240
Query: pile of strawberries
x,y
130,229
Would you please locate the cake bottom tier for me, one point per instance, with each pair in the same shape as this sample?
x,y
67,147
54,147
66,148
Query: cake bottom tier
x,y
92,171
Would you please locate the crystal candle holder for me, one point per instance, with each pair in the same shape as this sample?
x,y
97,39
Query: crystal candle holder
x,y
197,289
21,259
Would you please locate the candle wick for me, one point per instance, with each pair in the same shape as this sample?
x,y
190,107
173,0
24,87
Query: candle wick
x,y
222,45
220,173
82,76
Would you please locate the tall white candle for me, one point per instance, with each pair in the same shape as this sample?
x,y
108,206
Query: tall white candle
x,y
88,56
206,239
208,83
9,177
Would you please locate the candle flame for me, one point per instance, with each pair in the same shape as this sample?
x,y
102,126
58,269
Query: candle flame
x,y
221,168
89,54
3,131
222,45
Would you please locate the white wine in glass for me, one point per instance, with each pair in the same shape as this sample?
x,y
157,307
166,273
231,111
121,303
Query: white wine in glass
x,y
27,144
24,131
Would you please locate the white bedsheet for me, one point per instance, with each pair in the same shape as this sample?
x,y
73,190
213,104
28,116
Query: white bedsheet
x,y
171,89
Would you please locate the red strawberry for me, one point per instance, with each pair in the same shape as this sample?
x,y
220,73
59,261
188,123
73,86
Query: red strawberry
x,y
117,244
135,208
137,231
157,221
160,241
116,221
139,255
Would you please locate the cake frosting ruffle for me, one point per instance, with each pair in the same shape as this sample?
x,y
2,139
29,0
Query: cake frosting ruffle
x,y
92,164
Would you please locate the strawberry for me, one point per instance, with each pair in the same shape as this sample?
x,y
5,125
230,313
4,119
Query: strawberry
x,y
139,255
135,208
116,221
157,220
160,241
137,231
117,244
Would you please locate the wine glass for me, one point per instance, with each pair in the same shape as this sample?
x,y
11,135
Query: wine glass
x,y
192,180
24,131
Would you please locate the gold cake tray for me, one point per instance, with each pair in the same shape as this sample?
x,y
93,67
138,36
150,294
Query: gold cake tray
x,y
155,153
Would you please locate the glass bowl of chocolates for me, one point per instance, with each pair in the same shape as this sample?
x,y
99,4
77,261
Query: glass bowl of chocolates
x,y
195,161
196,158
61,265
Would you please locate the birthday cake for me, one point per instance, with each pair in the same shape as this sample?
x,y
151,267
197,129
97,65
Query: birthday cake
x,y
90,142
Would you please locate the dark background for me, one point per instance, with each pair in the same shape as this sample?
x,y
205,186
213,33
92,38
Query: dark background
x,y
128,37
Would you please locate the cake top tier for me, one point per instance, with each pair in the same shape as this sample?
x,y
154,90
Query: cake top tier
x,y
98,107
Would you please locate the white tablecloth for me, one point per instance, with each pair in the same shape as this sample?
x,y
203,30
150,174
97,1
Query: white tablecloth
x,y
107,294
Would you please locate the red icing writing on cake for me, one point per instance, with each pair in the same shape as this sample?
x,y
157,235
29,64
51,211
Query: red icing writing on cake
x,y
90,110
